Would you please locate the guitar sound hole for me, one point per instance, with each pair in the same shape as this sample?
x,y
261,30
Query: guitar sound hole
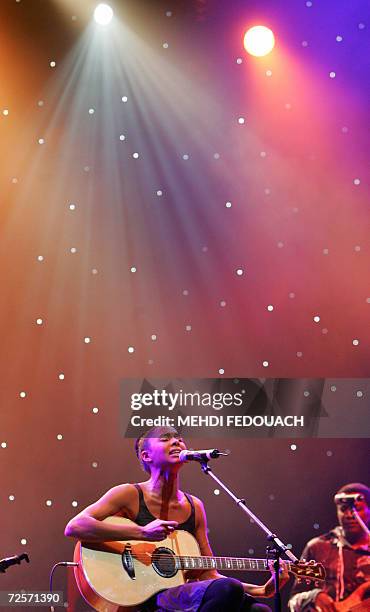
x,y
164,563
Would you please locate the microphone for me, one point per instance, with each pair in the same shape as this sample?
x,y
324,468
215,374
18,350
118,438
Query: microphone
x,y
200,455
8,561
348,498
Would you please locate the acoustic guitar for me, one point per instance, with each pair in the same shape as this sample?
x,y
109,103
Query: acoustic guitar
x,y
120,576
358,601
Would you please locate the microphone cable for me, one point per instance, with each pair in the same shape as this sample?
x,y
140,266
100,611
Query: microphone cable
x,y
63,564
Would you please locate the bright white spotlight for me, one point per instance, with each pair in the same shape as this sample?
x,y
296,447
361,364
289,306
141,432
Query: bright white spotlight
x,y
259,41
103,14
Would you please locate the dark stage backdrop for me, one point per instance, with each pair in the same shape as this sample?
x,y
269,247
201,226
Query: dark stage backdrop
x,y
171,208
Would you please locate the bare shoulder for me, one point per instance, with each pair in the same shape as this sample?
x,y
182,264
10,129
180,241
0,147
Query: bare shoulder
x,y
122,495
125,490
200,513
197,502
118,499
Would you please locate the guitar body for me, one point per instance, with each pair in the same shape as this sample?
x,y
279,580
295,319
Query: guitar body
x,y
356,602
121,576
105,582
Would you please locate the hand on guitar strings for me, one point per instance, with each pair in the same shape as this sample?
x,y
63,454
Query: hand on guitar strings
x,y
158,530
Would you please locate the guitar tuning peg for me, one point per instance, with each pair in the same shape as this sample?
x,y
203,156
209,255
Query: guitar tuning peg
x,y
299,580
308,582
316,583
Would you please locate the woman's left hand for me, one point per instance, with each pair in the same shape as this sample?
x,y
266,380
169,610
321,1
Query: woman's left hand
x,y
283,578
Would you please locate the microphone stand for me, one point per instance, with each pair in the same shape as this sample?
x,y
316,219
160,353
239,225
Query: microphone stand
x,y
273,552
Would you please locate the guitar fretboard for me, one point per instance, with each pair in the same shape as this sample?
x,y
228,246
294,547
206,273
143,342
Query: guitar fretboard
x,y
220,563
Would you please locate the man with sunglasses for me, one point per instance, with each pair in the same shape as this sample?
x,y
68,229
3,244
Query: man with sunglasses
x,y
345,554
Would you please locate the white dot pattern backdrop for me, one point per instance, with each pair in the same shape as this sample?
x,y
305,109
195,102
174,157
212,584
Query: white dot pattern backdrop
x,y
175,207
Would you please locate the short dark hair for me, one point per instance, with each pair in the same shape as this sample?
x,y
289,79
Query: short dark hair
x,y
356,487
141,443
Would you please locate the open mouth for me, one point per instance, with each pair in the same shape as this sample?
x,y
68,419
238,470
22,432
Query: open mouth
x,y
176,451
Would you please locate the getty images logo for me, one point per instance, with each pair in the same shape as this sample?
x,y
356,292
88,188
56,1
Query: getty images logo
x,y
165,399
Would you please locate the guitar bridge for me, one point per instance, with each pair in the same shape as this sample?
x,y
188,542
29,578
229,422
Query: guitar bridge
x,y
128,561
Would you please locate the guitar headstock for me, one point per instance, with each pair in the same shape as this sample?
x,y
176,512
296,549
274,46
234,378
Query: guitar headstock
x,y
308,571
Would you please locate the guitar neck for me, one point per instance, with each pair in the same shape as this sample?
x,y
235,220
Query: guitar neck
x,y
221,563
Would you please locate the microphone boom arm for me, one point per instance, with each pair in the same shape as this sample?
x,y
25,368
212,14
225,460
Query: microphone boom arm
x,y
279,548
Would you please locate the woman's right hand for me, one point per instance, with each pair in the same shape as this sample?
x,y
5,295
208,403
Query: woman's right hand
x,y
158,530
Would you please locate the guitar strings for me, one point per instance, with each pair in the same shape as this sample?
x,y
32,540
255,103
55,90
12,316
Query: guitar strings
x,y
209,562
260,563
203,558
169,561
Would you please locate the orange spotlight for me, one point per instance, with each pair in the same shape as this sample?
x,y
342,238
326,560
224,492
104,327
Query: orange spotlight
x,y
259,41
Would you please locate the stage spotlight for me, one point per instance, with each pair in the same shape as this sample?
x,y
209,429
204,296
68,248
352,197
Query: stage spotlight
x,y
103,14
259,41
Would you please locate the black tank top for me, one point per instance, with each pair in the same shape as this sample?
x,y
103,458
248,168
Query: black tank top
x,y
144,516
